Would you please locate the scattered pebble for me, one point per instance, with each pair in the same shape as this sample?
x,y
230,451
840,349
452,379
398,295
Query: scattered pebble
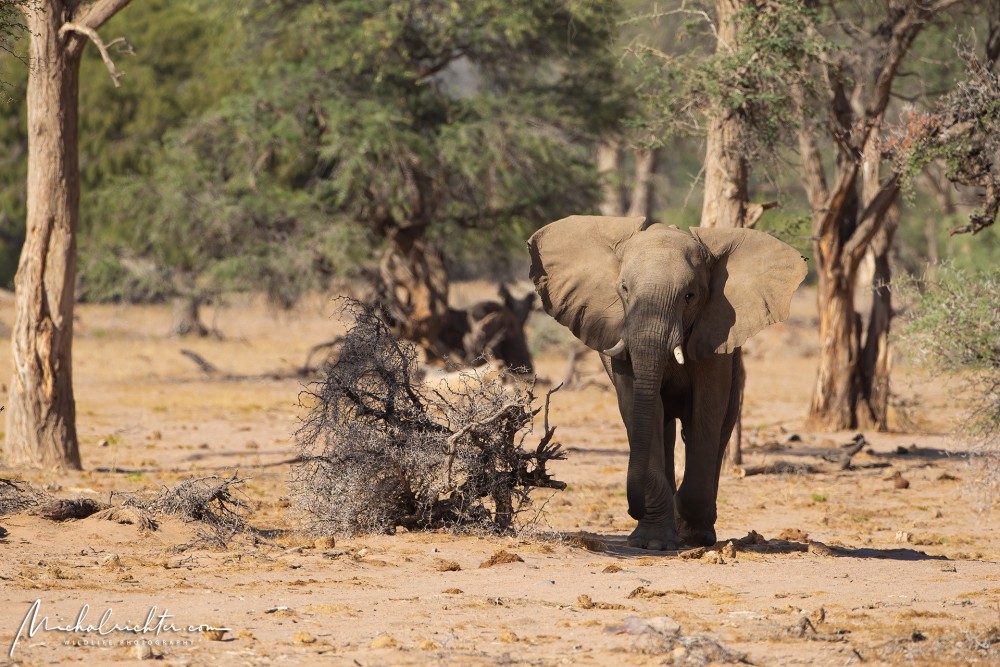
x,y
819,549
214,634
693,554
713,557
303,637
793,535
507,637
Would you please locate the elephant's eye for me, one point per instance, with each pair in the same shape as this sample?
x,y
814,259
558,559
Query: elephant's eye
x,y
689,296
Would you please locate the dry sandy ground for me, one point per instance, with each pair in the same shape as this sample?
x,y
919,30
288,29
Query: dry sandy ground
x,y
853,569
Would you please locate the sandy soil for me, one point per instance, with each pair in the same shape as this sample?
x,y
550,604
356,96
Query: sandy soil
x,y
851,569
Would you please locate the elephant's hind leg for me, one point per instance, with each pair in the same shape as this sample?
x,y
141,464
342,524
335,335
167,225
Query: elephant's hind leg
x,y
705,438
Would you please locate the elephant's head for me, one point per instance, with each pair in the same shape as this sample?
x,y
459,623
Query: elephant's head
x,y
660,297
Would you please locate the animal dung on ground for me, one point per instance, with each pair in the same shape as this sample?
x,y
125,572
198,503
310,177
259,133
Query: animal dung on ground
x,y
447,566
500,558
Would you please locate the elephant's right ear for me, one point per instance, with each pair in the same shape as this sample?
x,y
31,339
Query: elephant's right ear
x,y
575,263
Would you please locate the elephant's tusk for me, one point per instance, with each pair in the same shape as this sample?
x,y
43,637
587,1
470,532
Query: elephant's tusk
x,y
679,355
617,349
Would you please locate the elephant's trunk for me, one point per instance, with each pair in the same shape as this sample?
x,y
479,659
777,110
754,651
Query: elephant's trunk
x,y
650,352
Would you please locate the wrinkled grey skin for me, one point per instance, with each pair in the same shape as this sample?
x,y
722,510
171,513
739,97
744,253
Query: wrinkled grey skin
x,y
668,310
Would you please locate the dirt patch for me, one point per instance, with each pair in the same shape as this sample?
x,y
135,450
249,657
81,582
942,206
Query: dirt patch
x,y
912,576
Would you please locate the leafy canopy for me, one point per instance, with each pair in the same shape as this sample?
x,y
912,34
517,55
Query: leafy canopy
x,y
353,120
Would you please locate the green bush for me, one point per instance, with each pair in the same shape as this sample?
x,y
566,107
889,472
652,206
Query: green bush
x,y
954,325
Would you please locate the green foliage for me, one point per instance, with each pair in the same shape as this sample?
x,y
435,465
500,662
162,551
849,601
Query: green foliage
x,y
964,134
13,138
345,121
954,325
757,80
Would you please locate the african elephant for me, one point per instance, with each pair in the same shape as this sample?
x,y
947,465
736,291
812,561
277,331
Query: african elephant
x,y
668,310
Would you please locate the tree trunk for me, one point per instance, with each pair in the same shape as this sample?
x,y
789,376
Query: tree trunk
x,y
608,162
876,357
846,222
414,291
642,186
187,317
727,174
41,410
835,392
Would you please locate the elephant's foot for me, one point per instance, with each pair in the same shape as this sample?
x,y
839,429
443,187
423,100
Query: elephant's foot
x,y
696,535
655,536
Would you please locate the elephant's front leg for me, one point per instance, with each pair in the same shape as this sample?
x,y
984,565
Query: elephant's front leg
x,y
657,530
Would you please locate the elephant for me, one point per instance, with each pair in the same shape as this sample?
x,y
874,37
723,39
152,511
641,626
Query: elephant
x,y
668,311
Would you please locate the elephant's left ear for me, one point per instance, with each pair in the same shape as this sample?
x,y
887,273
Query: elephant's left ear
x,y
753,278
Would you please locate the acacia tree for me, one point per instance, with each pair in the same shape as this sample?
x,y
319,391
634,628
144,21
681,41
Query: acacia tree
x,y
41,414
732,89
435,119
853,210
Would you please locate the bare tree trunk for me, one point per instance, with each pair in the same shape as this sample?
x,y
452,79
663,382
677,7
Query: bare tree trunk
x,y
642,186
832,405
414,291
876,356
41,411
727,173
187,317
608,162
845,222
41,414
943,192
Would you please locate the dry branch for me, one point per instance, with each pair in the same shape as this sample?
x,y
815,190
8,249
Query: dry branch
x,y
378,450
101,46
16,496
62,509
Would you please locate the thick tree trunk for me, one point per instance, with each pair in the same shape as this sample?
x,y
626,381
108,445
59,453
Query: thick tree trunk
x,y
41,411
848,217
836,388
642,186
727,173
876,357
608,162
187,317
414,291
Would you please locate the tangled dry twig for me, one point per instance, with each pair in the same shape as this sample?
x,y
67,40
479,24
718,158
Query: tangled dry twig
x,y
378,450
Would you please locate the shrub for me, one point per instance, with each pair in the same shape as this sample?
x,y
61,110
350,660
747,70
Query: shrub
x,y
954,324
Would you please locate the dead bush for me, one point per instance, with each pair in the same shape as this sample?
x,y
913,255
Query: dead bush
x,y
378,450
215,505
16,496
